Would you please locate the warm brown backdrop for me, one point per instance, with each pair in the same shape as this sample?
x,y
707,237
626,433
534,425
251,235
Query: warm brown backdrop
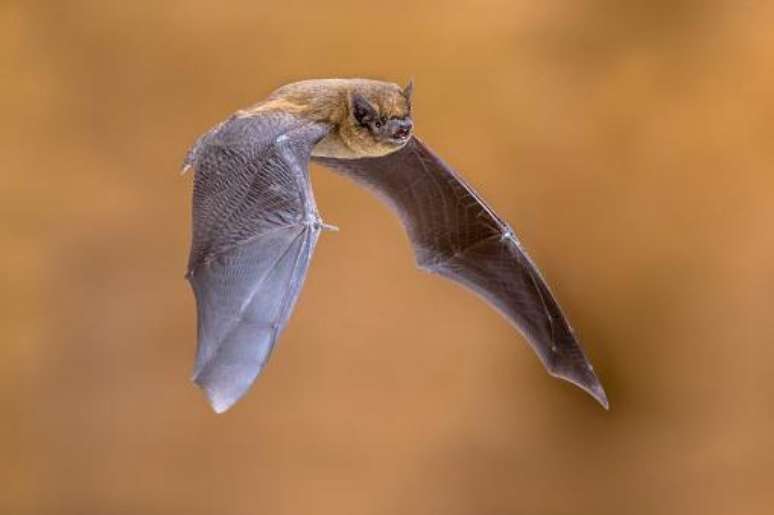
x,y
628,143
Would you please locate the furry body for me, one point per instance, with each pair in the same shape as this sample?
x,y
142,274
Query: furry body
x,y
329,101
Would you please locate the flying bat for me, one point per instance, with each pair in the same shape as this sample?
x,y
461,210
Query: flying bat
x,y
255,226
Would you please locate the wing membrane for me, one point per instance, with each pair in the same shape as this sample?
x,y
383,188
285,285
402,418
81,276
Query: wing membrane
x,y
255,227
456,235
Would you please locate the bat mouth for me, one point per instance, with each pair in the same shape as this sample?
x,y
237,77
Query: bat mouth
x,y
401,131
400,136
400,140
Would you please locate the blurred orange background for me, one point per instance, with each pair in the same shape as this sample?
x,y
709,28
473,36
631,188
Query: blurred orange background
x,y
628,143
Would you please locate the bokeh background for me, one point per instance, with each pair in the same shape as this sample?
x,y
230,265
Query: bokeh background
x,y
628,143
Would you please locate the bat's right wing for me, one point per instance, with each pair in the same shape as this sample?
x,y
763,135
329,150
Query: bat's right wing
x,y
456,235
255,225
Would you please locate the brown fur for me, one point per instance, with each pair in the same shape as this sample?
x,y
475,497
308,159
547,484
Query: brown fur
x,y
330,101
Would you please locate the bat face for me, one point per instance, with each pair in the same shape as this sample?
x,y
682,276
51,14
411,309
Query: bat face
x,y
385,115
394,131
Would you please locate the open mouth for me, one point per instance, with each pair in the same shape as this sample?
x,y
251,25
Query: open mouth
x,y
401,135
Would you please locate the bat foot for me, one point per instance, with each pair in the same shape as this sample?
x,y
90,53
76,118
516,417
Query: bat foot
x,y
328,227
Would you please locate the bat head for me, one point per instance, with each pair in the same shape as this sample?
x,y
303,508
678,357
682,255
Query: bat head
x,y
384,113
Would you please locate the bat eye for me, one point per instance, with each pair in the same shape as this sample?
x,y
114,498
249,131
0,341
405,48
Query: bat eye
x,y
378,124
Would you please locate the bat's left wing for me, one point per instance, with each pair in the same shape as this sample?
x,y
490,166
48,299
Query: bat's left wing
x,y
456,235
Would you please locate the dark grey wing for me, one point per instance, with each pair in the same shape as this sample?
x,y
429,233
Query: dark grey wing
x,y
255,225
455,234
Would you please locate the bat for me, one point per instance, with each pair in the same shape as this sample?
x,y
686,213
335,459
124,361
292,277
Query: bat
x,y
255,226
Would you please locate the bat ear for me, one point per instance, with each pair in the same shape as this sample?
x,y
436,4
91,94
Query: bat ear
x,y
409,90
362,109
